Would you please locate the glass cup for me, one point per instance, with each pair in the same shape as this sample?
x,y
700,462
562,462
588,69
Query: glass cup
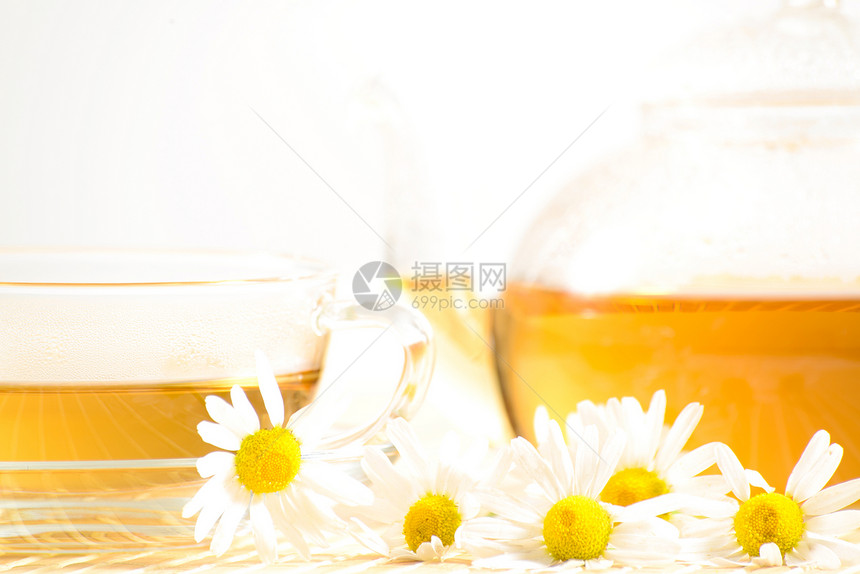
x,y
106,358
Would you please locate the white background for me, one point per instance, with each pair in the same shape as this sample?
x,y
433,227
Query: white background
x,y
133,123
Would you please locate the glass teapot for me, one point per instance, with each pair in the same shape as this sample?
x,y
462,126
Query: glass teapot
x,y
718,258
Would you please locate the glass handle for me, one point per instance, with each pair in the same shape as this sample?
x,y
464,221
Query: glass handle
x,y
416,338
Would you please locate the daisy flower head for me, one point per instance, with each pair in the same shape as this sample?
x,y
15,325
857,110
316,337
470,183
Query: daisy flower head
x,y
653,462
805,526
271,473
423,499
560,519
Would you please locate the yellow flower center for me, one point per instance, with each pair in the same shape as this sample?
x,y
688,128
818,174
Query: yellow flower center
x,y
768,517
432,515
268,460
633,485
576,527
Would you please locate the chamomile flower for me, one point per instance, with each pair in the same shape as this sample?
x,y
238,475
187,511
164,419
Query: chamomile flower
x,y
560,520
806,526
652,463
269,472
423,500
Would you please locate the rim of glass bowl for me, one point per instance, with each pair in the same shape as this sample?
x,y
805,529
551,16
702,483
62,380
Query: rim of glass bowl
x,y
295,268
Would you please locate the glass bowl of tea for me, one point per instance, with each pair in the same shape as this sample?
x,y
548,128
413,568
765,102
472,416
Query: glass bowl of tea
x,y
106,360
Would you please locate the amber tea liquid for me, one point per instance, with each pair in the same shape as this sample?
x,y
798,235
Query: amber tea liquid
x,y
769,372
93,424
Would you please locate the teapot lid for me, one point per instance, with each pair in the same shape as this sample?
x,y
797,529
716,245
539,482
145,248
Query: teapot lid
x,y
807,53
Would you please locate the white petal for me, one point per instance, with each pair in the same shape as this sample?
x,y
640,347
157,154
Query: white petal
x,y
733,471
558,456
755,478
590,414
214,502
329,481
650,507
715,508
648,528
587,461
307,515
312,423
284,524
264,531
209,515
496,529
699,558
269,389
594,565
706,529
625,557
673,502
425,552
215,462
529,460
770,554
430,550
412,455
244,408
679,434
224,414
693,463
448,478
383,474
708,485
218,435
469,506
226,529
402,555
573,425
824,558
814,556
457,483
832,498
529,560
633,423
644,543
654,427
438,547
847,552
367,537
382,511
215,489
506,507
814,450
724,562
541,424
610,454
476,546
613,413
819,475
798,556
834,524
499,468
